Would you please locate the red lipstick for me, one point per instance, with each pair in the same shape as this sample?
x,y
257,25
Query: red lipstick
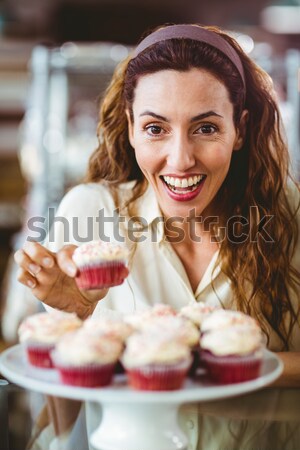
x,y
188,196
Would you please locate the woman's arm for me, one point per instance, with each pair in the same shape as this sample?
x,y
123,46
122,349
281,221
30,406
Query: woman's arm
x,y
290,377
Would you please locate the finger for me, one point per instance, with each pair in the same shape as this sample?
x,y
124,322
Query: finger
x,y
39,255
26,278
23,260
65,260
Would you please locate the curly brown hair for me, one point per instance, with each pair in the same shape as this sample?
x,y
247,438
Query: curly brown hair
x,y
261,272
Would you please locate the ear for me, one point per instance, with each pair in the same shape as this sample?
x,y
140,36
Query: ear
x,y
130,128
241,131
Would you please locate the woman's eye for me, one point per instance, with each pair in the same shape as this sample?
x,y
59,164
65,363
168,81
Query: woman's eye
x,y
154,130
207,129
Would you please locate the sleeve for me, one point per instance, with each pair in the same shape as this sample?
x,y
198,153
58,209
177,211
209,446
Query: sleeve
x,y
84,214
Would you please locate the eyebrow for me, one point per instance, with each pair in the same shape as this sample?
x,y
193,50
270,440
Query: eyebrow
x,y
193,119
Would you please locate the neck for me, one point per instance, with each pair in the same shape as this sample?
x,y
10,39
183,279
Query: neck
x,y
191,230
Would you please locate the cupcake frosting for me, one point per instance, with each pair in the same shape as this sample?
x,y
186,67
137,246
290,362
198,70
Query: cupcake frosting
x,y
196,312
235,340
114,327
178,328
144,348
226,318
47,327
79,348
95,251
140,318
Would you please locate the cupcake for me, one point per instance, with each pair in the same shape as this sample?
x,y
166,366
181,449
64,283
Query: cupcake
x,y
40,332
181,329
156,362
232,354
100,265
86,359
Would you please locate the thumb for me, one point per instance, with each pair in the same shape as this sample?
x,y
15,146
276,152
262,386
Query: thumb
x,y
65,261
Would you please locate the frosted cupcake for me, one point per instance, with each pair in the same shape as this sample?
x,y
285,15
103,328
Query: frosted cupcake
x,y
232,354
100,265
224,318
86,359
156,363
40,332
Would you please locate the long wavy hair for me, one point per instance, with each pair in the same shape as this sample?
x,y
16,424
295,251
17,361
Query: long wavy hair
x,y
261,272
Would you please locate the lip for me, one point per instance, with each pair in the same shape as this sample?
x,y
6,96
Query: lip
x,y
183,197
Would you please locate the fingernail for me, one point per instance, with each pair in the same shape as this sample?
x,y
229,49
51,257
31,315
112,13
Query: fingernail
x,y
31,284
71,270
34,269
48,262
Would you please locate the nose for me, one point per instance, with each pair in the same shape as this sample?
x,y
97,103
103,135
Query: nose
x,y
181,154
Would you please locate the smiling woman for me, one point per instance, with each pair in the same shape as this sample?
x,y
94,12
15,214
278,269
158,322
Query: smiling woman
x,y
189,133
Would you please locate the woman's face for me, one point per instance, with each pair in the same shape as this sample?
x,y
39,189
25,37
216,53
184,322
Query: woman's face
x,y
183,135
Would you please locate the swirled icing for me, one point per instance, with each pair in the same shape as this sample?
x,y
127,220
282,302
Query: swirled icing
x,y
98,251
47,327
146,348
235,340
80,348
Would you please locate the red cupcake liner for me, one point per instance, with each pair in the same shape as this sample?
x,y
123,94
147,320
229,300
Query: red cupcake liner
x,y
39,355
158,377
232,369
102,275
91,375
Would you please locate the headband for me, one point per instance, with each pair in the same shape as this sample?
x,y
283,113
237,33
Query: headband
x,y
196,33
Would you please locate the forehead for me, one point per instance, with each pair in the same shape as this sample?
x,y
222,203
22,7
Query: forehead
x,y
172,90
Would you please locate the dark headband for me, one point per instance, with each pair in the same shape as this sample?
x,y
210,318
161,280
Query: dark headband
x,y
196,33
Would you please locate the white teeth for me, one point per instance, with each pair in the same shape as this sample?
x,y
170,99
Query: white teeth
x,y
191,181
183,182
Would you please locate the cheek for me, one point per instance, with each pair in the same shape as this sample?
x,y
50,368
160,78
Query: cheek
x,y
218,159
147,159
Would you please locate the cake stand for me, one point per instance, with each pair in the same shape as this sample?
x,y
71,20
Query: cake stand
x,y
134,420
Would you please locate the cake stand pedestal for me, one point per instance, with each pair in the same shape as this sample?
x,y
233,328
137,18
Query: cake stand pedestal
x,y
137,426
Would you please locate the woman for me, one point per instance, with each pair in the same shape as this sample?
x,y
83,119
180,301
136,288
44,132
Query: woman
x,y
193,166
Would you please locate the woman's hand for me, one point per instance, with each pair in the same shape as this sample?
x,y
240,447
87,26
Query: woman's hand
x,y
50,276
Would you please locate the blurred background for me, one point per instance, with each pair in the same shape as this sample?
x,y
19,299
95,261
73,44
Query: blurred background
x,y
56,58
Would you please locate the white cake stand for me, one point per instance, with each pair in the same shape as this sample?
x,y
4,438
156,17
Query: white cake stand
x,y
133,420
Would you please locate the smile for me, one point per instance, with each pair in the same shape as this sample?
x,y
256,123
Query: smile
x,y
183,189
